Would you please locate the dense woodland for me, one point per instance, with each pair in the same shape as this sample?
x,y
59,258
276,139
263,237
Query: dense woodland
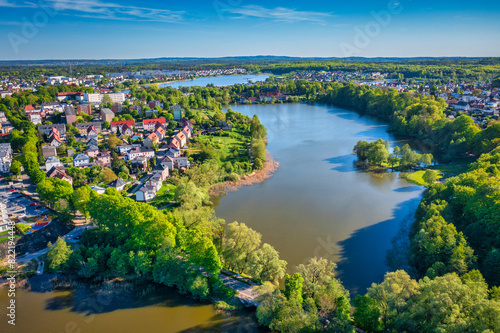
x,y
455,239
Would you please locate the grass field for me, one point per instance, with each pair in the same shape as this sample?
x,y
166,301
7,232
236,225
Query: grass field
x,y
164,196
455,168
417,177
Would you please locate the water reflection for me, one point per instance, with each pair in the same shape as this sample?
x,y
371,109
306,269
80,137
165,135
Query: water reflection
x,y
319,202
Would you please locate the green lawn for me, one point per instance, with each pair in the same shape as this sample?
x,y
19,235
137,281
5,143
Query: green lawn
x,y
455,168
7,238
163,197
417,177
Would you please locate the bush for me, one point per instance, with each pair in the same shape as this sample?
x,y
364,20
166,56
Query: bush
x,y
234,177
258,164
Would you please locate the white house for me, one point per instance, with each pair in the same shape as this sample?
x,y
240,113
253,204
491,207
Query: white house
x,y
5,157
80,160
145,193
52,161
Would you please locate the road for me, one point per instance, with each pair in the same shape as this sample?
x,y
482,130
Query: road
x,y
245,291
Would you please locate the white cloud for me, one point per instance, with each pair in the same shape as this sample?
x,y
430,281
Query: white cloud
x,y
104,10
280,14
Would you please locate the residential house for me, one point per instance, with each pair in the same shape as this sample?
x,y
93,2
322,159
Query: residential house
x,y
55,141
98,189
118,184
35,117
51,107
149,124
85,109
173,152
116,108
178,113
140,152
5,157
3,118
83,127
107,114
46,129
150,140
139,163
168,162
175,143
52,161
187,132
81,160
127,130
160,133
59,172
182,138
70,114
162,171
151,113
104,160
185,122
115,125
462,106
92,151
145,193
122,150
92,133
48,151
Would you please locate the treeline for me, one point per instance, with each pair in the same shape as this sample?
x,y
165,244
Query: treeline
x,y
457,225
421,117
483,69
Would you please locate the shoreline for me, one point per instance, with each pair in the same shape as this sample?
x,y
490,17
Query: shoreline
x,y
257,176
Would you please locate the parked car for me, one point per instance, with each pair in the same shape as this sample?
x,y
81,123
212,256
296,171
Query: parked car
x,y
12,190
33,204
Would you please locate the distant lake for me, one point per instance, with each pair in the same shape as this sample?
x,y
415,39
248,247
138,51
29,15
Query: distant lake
x,y
218,81
318,203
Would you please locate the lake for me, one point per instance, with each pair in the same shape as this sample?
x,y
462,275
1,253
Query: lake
x,y
318,203
85,309
218,81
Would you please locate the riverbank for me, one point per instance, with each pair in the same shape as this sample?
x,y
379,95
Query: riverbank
x,y
257,176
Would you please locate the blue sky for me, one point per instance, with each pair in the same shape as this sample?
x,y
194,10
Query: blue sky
x,y
112,29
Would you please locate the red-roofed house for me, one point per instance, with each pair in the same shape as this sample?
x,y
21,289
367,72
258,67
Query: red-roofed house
x,y
160,132
149,124
119,124
182,138
151,140
127,130
175,143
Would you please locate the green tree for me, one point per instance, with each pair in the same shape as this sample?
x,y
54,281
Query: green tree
x,y
141,263
15,168
190,196
367,314
317,274
81,198
239,244
429,177
58,254
293,287
266,265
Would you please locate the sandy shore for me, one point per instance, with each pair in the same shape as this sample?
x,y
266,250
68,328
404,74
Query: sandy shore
x,y
257,176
